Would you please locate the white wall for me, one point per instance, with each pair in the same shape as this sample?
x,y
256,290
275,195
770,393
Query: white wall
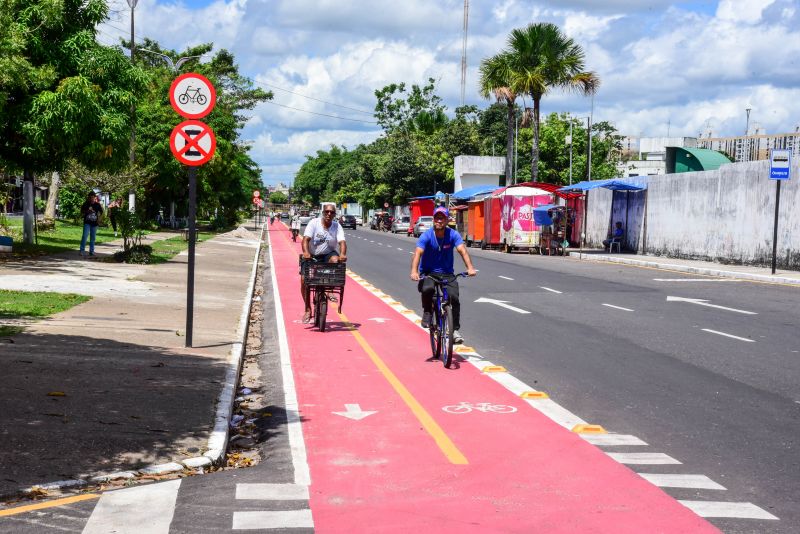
x,y
724,215
470,171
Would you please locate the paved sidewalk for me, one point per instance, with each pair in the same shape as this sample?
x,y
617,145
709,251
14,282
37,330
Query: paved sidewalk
x,y
133,395
742,272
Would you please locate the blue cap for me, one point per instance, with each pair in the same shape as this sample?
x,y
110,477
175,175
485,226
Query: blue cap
x,y
441,209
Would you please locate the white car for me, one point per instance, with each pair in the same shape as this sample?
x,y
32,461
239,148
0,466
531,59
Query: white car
x,y
359,220
423,223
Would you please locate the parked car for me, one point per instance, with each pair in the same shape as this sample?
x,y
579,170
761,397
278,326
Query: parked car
x,y
285,215
401,225
305,218
423,223
348,221
359,220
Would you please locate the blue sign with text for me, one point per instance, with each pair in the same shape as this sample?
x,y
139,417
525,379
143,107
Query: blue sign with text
x,y
780,163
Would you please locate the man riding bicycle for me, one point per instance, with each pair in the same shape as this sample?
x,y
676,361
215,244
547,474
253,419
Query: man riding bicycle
x,y
434,255
320,242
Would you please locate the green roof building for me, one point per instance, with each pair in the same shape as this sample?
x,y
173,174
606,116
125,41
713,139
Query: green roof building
x,y
683,159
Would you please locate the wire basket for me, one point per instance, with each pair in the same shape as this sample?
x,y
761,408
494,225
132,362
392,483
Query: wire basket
x,y
324,274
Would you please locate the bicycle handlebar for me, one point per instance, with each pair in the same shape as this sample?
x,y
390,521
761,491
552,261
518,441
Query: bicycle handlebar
x,y
435,276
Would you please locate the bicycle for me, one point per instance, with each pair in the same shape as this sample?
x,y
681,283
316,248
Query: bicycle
x,y
485,407
441,326
198,97
324,281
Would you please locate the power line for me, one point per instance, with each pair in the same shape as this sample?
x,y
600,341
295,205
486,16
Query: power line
x,y
321,114
282,89
312,98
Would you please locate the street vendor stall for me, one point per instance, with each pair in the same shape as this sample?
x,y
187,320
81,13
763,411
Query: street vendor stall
x,y
518,228
555,222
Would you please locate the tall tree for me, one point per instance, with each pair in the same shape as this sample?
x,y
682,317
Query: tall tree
x,y
541,58
496,78
63,95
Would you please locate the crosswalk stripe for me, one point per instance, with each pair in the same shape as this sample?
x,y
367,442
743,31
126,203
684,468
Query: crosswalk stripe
x,y
272,492
267,520
612,440
643,458
140,510
739,510
681,481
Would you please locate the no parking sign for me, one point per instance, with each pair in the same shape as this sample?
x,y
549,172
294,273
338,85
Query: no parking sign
x,y
193,143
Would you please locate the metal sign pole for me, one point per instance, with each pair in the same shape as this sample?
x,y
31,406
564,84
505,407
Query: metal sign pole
x,y
192,238
775,230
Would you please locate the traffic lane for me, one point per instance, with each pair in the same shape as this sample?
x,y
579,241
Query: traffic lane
x,y
361,475
615,401
740,436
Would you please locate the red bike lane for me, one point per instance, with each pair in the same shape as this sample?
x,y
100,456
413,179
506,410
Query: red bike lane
x,y
411,465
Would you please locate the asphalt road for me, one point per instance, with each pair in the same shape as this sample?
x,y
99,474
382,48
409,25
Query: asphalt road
x,y
714,384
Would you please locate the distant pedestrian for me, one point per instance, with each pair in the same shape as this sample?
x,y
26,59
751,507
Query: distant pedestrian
x,y
91,211
113,210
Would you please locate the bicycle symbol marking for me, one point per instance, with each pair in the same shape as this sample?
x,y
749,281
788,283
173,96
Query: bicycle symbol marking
x,y
192,95
485,407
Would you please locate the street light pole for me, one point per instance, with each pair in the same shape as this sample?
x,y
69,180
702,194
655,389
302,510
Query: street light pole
x,y
570,151
132,153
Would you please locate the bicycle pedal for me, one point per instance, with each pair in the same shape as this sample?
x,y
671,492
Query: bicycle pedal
x,y
333,299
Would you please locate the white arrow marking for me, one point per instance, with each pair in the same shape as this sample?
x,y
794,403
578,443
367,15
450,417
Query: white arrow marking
x,y
379,320
703,302
502,304
354,412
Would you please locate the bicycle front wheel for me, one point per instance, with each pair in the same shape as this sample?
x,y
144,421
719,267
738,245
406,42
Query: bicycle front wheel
x,y
183,99
446,336
323,311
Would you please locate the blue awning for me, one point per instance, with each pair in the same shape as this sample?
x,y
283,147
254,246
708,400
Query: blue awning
x,y
541,215
469,192
613,184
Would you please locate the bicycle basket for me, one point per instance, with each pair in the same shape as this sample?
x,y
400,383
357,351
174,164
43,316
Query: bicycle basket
x,y
324,274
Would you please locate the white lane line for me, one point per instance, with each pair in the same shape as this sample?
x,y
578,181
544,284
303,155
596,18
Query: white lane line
x,y
643,458
612,440
695,280
740,510
140,510
371,241
550,290
505,277
400,249
704,302
681,481
297,444
272,492
728,335
617,307
269,520
381,244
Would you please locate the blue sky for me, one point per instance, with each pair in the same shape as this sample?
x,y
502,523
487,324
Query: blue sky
x,y
689,67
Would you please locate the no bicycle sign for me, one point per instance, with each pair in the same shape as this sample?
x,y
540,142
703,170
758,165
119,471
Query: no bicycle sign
x,y
192,143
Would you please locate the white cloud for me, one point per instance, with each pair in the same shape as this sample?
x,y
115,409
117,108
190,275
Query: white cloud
x,y
748,11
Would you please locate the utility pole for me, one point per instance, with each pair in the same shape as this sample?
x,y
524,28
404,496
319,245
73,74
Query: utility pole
x,y
464,51
132,153
570,151
589,133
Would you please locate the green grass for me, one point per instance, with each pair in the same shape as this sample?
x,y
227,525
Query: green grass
x,y
64,237
8,331
21,304
168,248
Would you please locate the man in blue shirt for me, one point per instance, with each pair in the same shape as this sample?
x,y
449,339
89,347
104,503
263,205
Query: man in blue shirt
x,y
434,254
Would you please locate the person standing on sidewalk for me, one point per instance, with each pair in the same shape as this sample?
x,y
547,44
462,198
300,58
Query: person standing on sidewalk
x,y
434,255
322,238
91,211
113,209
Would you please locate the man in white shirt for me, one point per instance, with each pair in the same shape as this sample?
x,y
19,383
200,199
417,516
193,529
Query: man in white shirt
x,y
320,241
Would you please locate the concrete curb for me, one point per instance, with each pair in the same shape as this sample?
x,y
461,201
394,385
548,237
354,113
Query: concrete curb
x,y
708,271
218,441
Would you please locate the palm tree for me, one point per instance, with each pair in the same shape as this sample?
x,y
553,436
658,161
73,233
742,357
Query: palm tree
x,y
495,79
542,58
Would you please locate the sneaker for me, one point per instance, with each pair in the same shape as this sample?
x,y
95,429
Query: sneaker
x,y
426,320
457,337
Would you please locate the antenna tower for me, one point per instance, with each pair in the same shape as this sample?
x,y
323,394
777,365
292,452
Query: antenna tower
x,y
464,51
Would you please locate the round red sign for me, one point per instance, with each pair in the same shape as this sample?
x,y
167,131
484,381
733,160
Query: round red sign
x,y
192,95
192,143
